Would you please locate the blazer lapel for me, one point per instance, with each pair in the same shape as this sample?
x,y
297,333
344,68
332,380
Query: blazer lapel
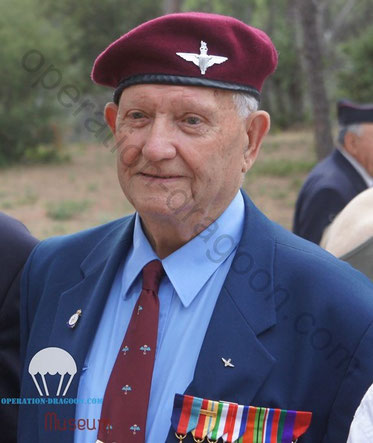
x,y
245,309
89,295
356,180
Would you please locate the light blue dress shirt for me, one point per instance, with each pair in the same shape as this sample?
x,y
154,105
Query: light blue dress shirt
x,y
195,274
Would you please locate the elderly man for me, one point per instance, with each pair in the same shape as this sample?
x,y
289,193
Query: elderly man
x,y
16,244
197,315
346,172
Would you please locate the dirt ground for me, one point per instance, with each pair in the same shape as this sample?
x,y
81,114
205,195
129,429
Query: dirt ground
x,y
55,199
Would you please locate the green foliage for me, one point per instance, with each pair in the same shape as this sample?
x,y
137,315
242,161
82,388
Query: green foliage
x,y
356,79
62,36
88,26
27,111
46,154
282,167
66,209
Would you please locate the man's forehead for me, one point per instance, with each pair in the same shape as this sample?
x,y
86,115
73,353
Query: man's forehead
x,y
368,127
176,95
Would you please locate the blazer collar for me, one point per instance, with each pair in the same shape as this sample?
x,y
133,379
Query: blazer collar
x,y
250,282
113,246
357,181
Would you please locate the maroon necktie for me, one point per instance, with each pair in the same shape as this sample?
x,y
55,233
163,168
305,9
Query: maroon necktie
x,y
125,406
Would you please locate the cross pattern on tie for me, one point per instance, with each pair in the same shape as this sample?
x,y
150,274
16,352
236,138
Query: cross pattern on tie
x,y
126,397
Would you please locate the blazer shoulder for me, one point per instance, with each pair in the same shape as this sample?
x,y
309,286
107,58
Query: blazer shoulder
x,y
15,237
321,279
334,172
62,252
16,243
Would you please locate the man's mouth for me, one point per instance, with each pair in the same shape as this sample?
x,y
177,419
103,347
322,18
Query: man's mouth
x,y
159,176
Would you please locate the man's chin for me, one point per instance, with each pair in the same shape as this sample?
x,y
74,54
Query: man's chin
x,y
154,211
169,204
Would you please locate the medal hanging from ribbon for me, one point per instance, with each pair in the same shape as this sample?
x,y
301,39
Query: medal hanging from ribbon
x,y
212,420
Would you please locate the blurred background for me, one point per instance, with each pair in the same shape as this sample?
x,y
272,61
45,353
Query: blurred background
x,y
57,168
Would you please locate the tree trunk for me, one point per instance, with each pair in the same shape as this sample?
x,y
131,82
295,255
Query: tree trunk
x,y
316,85
296,87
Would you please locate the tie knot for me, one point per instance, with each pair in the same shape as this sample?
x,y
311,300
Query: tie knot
x,y
151,275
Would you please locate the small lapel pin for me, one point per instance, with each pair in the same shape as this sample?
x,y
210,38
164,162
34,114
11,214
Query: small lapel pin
x,y
73,320
227,362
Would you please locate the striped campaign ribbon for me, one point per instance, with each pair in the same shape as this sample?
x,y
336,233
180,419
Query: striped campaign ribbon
x,y
207,419
221,418
267,425
229,424
236,423
240,423
185,414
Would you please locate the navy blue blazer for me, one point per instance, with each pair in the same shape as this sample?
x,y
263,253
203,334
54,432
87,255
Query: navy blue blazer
x,y
329,187
16,244
296,322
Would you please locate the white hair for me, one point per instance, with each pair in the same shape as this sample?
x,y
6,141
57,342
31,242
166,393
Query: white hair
x,y
355,129
245,103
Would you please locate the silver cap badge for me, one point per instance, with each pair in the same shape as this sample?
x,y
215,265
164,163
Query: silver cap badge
x,y
202,60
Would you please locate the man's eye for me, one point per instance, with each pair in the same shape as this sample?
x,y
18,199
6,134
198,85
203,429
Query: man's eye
x,y
192,120
136,115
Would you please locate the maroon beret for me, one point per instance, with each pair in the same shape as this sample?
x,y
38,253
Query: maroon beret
x,y
350,113
192,49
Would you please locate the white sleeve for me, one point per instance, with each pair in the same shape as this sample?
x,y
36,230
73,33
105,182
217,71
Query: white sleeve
x,y
362,425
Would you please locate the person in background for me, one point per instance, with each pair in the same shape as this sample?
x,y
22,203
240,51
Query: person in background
x,y
16,244
361,430
346,172
197,295
350,236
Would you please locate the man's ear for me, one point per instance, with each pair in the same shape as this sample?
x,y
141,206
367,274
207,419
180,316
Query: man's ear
x,y
111,111
257,127
350,143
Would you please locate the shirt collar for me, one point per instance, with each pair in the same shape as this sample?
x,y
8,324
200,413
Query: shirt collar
x,y
359,168
199,258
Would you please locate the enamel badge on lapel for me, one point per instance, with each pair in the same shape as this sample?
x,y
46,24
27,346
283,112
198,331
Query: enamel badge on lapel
x,y
202,60
73,320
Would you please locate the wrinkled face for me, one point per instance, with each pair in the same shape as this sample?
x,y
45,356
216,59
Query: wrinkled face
x,y
182,150
364,147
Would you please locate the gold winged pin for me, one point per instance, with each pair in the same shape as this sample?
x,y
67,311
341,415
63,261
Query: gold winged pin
x,y
202,60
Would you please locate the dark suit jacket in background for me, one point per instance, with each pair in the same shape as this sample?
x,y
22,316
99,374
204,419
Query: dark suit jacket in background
x,y
329,187
16,244
296,322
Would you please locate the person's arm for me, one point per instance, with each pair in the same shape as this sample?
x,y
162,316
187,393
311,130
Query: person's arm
x,y
358,378
15,245
362,425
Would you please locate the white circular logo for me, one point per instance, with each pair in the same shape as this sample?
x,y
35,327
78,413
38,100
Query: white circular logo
x,y
52,361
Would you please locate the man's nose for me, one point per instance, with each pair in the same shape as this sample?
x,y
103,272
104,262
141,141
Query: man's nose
x,y
158,144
